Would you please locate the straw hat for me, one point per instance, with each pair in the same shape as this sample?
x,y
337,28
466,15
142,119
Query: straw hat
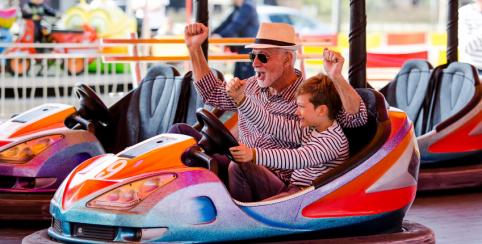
x,y
275,35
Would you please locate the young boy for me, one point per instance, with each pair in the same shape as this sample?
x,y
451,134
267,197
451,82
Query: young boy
x,y
324,146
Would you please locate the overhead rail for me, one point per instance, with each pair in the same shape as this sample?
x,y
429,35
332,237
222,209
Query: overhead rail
x,y
225,41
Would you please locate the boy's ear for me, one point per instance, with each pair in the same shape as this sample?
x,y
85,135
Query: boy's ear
x,y
322,110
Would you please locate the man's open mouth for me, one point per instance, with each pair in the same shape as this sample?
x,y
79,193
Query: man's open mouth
x,y
261,75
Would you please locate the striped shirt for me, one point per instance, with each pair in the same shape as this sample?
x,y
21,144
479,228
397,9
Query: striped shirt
x,y
320,151
283,104
470,35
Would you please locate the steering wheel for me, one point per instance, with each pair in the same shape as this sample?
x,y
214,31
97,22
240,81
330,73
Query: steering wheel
x,y
91,107
216,138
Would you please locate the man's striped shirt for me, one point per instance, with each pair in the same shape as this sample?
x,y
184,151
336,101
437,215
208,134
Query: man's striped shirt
x,y
283,104
470,35
320,151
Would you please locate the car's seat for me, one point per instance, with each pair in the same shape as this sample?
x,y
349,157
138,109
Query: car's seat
x,y
455,94
407,90
149,110
366,140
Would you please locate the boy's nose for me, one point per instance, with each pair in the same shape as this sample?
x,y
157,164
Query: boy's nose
x,y
298,113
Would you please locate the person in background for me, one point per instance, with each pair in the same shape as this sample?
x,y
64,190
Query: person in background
x,y
470,34
242,22
34,10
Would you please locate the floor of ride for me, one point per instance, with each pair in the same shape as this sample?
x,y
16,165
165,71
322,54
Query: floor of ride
x,y
454,215
12,232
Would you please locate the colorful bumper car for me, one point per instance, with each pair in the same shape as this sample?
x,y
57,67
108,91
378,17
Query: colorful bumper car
x,y
445,104
37,152
152,192
40,147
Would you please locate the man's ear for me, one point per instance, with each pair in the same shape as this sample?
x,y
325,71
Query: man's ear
x,y
288,58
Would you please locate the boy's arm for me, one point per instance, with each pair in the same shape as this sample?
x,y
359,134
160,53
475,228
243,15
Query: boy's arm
x,y
318,151
281,128
347,120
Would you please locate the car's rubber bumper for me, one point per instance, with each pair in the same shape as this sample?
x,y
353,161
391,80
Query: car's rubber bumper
x,y
412,233
21,206
449,178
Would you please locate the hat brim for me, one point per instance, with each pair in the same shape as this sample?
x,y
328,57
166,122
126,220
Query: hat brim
x,y
261,46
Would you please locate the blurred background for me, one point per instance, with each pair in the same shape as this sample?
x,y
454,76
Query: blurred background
x,y
397,30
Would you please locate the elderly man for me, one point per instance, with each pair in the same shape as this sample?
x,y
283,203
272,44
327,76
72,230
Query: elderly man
x,y
273,87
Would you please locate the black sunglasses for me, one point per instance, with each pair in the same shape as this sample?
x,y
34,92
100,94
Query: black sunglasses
x,y
261,57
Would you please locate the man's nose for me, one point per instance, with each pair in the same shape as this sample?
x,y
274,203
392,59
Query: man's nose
x,y
298,112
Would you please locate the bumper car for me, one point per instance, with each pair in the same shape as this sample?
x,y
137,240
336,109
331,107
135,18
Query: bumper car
x,y
37,152
40,147
445,104
165,189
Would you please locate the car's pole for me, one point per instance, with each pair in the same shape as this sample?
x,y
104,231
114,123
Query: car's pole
x,y
202,16
452,29
357,72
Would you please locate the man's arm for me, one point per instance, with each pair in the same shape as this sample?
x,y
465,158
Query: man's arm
x,y
209,88
223,25
195,35
282,128
469,40
50,11
246,13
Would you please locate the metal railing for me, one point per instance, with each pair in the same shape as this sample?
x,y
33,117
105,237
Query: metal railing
x,y
48,81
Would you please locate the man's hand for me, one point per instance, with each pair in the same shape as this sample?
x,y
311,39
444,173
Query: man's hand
x,y
235,89
36,17
195,35
333,63
242,153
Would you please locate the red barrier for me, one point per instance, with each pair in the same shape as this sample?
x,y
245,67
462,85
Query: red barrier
x,y
406,38
382,60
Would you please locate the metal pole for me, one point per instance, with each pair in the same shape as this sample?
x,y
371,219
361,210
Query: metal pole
x,y
452,28
357,72
202,16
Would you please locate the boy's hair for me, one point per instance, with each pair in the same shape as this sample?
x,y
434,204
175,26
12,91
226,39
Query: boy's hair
x,y
323,92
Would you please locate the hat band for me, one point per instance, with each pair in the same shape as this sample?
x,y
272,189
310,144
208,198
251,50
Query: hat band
x,y
273,42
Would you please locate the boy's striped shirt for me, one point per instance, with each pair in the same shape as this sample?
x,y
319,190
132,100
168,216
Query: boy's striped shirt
x,y
319,152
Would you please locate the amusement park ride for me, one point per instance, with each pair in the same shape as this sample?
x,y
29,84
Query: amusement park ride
x,y
144,189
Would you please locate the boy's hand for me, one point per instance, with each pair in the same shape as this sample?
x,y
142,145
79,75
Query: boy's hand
x,y
242,153
333,63
195,35
235,89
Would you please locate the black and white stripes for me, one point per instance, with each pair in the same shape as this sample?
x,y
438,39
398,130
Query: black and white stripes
x,y
283,105
470,35
319,153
